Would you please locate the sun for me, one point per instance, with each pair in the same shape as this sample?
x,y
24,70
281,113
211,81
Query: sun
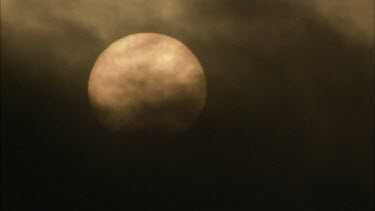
x,y
147,83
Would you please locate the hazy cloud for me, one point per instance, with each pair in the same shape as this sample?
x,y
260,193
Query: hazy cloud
x,y
289,92
57,22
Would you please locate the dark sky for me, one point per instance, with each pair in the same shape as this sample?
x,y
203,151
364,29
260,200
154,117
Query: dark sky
x,y
288,122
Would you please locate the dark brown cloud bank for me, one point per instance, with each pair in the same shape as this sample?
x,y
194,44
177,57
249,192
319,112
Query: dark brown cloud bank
x,y
288,122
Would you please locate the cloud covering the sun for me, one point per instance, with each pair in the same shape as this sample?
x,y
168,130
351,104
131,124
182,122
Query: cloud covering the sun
x,y
303,68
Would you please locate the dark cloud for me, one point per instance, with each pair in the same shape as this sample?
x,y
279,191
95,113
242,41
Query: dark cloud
x,y
288,119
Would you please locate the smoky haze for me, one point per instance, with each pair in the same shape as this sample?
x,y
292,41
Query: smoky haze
x,y
59,22
288,121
